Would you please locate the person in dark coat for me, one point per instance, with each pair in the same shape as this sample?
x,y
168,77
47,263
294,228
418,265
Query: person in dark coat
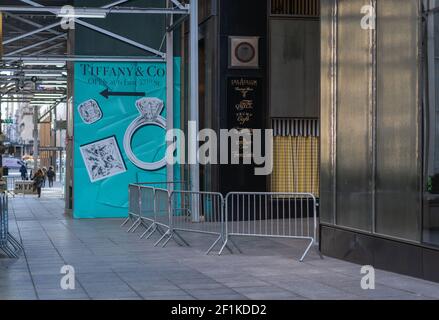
x,y
38,181
50,176
23,171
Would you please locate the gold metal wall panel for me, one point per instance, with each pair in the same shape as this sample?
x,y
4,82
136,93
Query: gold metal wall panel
x,y
354,160
327,81
398,207
371,163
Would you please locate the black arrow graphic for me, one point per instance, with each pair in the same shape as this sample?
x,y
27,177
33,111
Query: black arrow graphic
x,y
106,93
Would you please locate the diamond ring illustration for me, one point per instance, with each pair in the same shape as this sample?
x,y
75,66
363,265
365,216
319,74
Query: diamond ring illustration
x,y
149,109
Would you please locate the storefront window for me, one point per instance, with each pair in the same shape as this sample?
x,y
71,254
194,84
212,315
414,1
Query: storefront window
x,y
431,198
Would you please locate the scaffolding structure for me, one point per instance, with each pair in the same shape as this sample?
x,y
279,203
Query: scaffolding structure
x,y
51,50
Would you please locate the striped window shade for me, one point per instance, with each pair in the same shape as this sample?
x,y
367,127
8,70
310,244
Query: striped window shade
x,y
296,156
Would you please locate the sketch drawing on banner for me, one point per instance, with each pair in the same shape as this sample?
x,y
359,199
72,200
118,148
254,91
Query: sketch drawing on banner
x,y
102,159
150,110
90,111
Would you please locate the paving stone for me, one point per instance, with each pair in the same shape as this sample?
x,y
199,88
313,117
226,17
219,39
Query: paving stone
x,y
113,264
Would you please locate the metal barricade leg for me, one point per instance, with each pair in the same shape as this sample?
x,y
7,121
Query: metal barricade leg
x,y
167,233
15,243
151,227
125,221
213,245
160,230
306,251
223,247
172,235
166,241
226,246
135,224
156,228
9,252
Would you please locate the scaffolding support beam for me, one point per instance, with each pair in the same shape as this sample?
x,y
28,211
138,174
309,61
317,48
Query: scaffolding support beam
x,y
116,3
108,8
30,33
37,44
178,4
110,5
85,10
56,10
176,24
194,112
51,108
30,22
80,58
170,94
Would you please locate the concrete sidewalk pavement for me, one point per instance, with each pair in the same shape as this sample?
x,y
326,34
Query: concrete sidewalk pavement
x,y
112,264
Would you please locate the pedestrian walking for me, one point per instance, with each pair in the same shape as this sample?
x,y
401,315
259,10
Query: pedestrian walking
x,y
44,170
50,176
38,181
23,171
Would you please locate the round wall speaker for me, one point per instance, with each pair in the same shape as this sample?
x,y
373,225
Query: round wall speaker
x,y
244,52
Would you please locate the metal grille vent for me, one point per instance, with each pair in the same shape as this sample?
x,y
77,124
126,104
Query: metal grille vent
x,y
302,8
296,127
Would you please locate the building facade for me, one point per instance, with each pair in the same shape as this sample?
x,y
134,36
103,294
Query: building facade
x,y
283,66
349,89
377,202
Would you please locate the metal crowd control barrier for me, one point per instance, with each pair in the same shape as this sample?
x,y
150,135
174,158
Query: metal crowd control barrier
x,y
271,215
146,207
154,210
195,212
8,243
10,185
133,206
249,214
161,213
16,185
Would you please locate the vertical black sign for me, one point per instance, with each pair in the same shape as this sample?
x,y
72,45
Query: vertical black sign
x,y
244,103
244,109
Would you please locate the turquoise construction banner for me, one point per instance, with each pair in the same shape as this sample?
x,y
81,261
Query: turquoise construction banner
x,y
119,133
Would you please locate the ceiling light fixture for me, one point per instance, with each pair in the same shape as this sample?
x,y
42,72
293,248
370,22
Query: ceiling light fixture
x,y
81,13
53,86
43,74
53,82
48,94
44,63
